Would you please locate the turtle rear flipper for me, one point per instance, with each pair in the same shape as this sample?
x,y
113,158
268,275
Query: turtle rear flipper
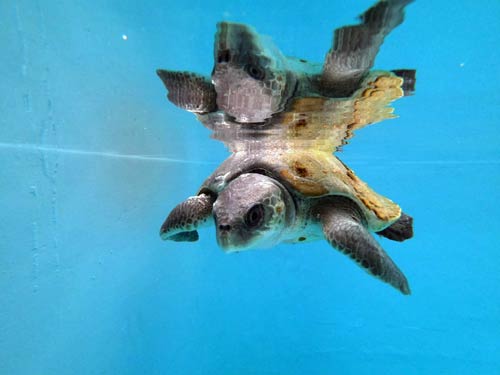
x,y
355,47
344,229
400,230
186,217
409,80
189,91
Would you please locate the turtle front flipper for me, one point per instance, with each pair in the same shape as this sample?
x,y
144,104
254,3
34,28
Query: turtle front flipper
x,y
343,227
186,217
355,47
189,91
400,230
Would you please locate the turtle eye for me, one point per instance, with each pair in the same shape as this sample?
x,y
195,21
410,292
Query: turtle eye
x,y
256,72
224,56
255,216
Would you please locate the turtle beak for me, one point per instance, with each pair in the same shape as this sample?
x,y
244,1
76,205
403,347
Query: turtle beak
x,y
228,238
224,236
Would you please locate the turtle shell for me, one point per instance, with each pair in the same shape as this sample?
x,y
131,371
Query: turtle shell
x,y
367,105
319,174
297,147
308,175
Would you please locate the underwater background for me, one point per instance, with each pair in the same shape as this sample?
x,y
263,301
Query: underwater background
x,y
93,157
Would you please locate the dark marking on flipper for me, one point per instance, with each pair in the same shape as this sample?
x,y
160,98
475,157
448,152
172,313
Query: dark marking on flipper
x,y
189,91
400,230
186,217
355,47
344,228
409,80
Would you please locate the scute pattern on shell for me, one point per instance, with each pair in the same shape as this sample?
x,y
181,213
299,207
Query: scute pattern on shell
x,y
319,174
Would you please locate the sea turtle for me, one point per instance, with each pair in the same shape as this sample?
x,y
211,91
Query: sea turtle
x,y
267,192
252,80
282,182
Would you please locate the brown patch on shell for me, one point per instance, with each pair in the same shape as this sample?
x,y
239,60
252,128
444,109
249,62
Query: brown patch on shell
x,y
300,169
300,123
302,185
321,174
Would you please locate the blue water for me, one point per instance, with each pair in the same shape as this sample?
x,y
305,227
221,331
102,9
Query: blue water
x,y
93,157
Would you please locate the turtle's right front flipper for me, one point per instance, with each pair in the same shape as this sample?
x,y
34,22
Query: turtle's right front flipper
x,y
186,217
189,91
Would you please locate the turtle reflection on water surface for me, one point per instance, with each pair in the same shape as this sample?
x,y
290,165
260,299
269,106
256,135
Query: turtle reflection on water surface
x,y
252,80
282,182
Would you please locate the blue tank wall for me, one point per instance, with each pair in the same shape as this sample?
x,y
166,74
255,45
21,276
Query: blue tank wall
x,y
92,157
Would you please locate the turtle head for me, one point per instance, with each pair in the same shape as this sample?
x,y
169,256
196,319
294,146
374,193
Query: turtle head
x,y
250,75
252,212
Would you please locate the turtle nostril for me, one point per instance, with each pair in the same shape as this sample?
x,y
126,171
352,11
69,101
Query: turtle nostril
x,y
225,228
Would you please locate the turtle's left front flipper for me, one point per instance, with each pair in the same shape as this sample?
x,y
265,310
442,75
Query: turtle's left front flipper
x,y
355,47
189,91
184,220
344,228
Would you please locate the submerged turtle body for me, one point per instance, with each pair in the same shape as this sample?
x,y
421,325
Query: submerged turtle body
x,y
268,193
308,175
284,184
